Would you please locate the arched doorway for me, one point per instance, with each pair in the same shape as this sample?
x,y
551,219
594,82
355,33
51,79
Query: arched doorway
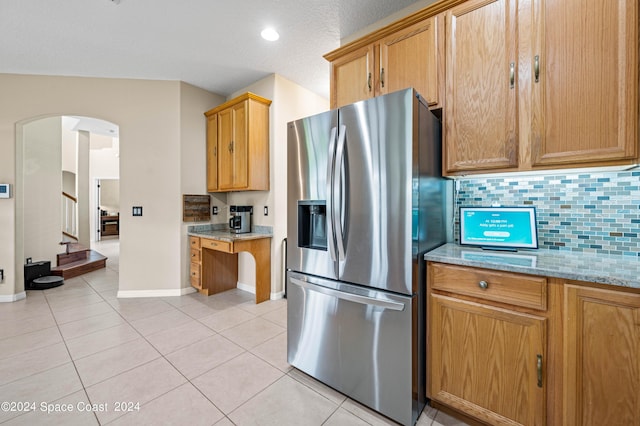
x,y
58,160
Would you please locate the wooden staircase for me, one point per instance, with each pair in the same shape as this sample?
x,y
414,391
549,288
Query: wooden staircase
x,y
77,260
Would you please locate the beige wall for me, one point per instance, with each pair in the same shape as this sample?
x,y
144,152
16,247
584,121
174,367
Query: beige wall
x,y
193,159
290,102
153,116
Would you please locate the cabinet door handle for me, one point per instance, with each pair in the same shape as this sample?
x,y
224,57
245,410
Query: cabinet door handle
x,y
512,74
536,67
539,368
231,146
483,285
215,151
382,78
369,81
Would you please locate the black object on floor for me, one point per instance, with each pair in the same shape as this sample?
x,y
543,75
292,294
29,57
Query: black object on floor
x,y
37,276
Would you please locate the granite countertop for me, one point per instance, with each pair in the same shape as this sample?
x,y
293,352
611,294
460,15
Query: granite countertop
x,y
623,271
221,233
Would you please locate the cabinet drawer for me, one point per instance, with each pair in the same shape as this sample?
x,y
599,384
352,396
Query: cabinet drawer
x,y
217,245
514,289
194,242
195,255
194,275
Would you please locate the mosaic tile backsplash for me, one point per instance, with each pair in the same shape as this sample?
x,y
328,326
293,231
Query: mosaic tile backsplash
x,y
586,212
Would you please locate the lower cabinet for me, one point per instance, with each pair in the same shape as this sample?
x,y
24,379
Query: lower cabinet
x,y
602,357
515,349
487,361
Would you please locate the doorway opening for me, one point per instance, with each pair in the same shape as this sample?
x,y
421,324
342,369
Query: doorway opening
x,y
57,159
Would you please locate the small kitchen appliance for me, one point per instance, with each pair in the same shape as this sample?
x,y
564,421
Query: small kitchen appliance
x,y
240,221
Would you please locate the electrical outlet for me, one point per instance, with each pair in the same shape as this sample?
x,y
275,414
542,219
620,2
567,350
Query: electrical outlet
x,y
266,210
28,260
1,275
137,211
214,210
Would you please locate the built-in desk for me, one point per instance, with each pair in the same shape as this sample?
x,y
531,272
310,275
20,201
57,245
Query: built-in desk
x,y
214,261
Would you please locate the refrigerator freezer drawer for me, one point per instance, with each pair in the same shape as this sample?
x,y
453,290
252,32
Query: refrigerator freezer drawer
x,y
361,342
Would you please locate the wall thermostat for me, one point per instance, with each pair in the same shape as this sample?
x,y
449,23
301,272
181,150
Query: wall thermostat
x,y
5,190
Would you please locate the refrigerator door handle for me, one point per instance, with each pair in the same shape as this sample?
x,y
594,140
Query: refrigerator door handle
x,y
330,200
337,187
363,300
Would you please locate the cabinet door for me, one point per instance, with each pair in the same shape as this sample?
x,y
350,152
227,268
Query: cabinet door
x,y
232,147
586,95
225,156
485,361
481,85
352,77
239,145
602,357
212,153
409,58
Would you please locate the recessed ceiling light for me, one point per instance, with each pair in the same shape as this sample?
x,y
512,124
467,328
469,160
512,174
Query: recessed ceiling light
x,y
270,34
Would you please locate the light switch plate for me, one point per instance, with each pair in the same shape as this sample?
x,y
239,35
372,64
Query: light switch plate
x,y
137,211
266,210
5,190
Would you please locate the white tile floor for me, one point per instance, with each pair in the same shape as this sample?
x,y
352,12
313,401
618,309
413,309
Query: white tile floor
x,y
89,358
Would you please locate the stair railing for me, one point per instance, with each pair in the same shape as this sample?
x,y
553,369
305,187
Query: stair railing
x,y
69,216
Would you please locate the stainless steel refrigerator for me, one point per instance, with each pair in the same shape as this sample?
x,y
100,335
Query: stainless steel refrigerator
x,y
366,200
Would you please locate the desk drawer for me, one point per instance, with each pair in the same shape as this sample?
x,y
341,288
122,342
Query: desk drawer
x,y
505,287
195,255
194,242
194,275
218,245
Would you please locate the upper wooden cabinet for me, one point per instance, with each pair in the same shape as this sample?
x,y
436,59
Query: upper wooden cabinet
x,y
585,80
352,77
238,145
481,122
540,84
212,153
391,61
409,58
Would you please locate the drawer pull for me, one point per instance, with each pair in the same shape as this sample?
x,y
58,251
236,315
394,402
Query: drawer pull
x,y
483,285
539,368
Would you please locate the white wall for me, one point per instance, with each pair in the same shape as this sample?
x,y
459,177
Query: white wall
x,y
421,4
69,145
290,102
104,163
110,195
82,186
42,150
149,114
69,182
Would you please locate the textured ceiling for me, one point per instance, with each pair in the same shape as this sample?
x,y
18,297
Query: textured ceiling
x,y
212,44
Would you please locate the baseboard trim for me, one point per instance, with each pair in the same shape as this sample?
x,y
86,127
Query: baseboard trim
x,y
245,287
129,294
13,297
277,295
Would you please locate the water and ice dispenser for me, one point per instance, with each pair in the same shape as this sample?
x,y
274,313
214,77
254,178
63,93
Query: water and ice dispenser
x,y
312,224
